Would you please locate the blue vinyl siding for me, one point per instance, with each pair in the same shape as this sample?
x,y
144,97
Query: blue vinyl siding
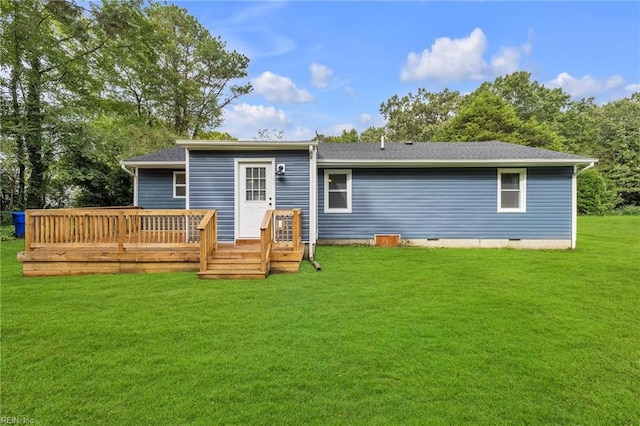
x,y
448,203
211,184
155,190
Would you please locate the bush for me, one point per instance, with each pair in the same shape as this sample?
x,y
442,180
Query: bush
x,y
628,211
594,195
6,233
5,218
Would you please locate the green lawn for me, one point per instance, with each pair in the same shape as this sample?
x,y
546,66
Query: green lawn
x,y
379,336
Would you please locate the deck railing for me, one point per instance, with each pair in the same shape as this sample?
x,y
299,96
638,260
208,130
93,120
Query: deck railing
x,y
282,228
111,228
208,234
287,227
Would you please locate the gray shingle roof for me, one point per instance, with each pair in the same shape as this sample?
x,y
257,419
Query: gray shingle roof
x,y
418,151
443,151
174,154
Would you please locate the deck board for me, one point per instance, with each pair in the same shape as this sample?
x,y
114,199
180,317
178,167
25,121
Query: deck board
x,y
231,261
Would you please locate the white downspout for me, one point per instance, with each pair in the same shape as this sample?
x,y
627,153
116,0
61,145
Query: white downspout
x,y
313,200
593,163
135,182
574,202
187,204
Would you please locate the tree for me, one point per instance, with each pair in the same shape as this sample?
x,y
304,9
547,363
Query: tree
x,y
617,145
483,117
172,70
373,134
151,71
44,46
217,136
529,98
594,196
578,126
267,135
418,117
345,136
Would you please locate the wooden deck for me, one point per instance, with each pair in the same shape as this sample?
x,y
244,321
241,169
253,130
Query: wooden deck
x,y
81,241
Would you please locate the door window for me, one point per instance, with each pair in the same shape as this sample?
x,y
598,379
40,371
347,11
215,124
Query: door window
x,y
256,184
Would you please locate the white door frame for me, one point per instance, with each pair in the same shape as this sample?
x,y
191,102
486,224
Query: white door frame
x,y
271,187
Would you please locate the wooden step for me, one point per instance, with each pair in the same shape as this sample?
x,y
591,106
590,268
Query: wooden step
x,y
286,260
241,260
234,267
235,275
235,255
295,256
234,261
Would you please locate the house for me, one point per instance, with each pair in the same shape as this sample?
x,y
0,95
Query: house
x,y
437,194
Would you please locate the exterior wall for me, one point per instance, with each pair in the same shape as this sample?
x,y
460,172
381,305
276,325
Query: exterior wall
x,y
155,189
212,186
448,203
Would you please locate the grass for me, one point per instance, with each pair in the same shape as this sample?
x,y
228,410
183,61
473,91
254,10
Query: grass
x,y
379,336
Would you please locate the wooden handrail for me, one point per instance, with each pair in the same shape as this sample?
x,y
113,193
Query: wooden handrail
x,y
105,208
208,234
266,239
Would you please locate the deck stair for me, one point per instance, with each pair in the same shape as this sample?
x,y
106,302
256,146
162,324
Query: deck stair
x,y
241,260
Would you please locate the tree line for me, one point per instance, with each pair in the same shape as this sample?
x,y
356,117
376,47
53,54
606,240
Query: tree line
x,y
84,86
87,85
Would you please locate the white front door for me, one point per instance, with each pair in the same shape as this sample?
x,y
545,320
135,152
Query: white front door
x,y
256,194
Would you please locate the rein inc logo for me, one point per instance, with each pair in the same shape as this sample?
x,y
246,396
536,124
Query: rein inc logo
x,y
19,420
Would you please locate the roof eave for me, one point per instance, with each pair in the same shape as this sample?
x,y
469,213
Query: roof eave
x,y
155,164
245,145
456,163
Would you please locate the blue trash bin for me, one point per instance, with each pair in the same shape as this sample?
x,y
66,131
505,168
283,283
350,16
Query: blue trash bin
x,y
18,224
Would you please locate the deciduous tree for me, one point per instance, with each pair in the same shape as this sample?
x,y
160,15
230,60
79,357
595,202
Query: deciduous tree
x,y
417,117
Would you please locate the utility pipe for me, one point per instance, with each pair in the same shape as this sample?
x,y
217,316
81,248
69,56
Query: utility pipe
x,y
315,264
593,163
127,171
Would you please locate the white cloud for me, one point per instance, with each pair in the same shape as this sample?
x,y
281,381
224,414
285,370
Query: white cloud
x,y
365,118
632,87
243,121
301,133
448,59
506,62
320,75
276,88
339,128
614,82
351,91
585,86
248,30
249,114
462,59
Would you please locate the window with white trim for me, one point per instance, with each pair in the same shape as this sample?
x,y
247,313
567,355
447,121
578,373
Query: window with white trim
x,y
512,190
179,184
337,191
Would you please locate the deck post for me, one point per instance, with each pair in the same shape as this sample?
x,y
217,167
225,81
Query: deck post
x,y
121,231
296,229
207,237
266,240
28,233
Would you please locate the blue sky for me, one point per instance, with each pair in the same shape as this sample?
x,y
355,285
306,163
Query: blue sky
x,y
327,66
